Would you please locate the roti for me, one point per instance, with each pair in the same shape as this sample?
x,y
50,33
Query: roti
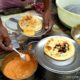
x,y
30,23
59,48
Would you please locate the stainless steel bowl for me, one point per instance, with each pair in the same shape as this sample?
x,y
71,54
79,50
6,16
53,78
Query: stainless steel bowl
x,y
18,30
44,62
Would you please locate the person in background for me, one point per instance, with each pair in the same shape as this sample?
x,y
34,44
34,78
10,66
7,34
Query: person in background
x,y
44,9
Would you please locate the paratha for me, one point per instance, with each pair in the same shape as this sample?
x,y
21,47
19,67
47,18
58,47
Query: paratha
x,y
30,24
60,48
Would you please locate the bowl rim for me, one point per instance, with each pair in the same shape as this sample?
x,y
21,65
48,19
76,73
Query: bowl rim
x,y
59,6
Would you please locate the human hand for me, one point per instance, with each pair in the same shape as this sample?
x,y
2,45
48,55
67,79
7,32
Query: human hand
x,y
5,42
47,20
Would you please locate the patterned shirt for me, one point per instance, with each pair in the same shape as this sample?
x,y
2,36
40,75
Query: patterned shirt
x,y
7,4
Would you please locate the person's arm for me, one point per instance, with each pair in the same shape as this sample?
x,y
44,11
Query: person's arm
x,y
48,22
5,41
47,4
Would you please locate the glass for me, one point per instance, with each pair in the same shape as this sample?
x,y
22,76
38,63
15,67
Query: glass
x,y
75,33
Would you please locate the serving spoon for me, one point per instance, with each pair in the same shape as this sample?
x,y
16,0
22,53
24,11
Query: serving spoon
x,y
22,56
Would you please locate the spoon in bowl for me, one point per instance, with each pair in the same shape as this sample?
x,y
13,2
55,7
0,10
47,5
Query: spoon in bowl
x,y
22,56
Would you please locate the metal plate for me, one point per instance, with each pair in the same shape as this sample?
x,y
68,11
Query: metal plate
x,y
44,62
12,23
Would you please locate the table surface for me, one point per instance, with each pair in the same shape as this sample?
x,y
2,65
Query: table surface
x,y
57,29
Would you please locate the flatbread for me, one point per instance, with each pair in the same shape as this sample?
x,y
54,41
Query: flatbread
x,y
30,23
30,33
59,48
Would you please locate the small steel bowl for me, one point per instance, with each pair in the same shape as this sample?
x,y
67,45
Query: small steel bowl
x,y
31,46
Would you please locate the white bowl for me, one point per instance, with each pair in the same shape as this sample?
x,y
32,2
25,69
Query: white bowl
x,y
69,18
